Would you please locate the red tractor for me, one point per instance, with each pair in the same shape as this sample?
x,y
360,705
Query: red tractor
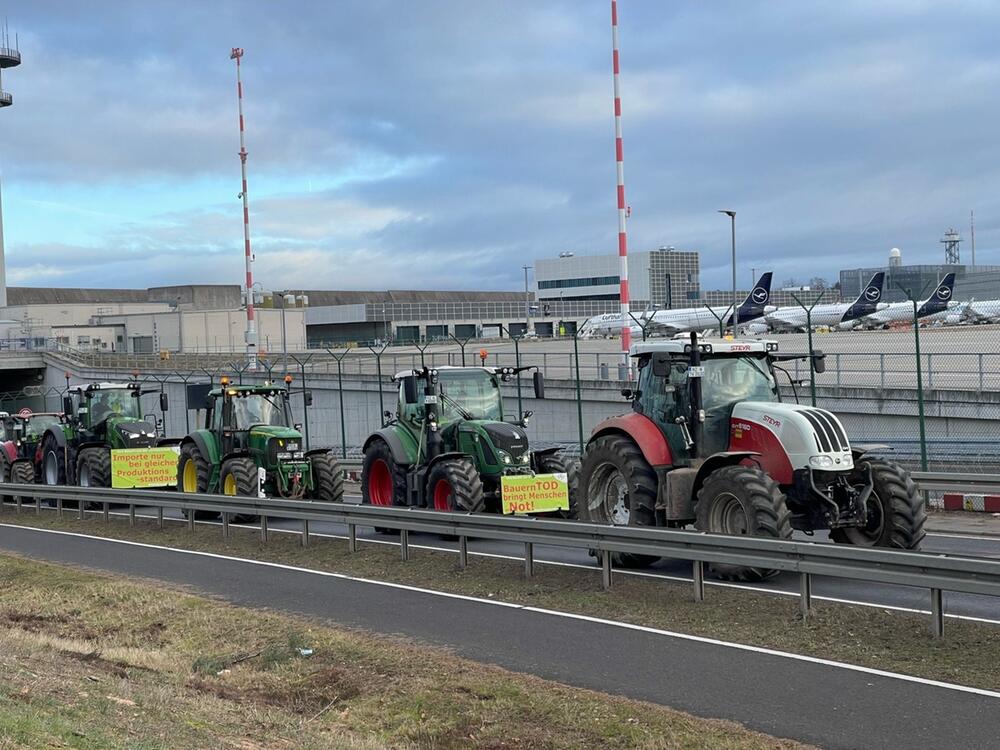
x,y
20,453
710,443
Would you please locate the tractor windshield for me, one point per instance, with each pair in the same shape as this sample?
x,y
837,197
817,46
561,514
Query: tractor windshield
x,y
257,409
469,394
113,402
731,379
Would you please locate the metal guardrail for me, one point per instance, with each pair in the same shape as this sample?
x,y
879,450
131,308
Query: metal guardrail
x,y
931,571
938,481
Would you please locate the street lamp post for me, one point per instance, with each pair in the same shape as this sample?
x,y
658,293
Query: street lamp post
x,y
736,302
527,302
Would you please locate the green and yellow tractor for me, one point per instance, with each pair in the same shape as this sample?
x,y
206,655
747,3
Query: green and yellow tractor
x,y
448,448
99,418
250,448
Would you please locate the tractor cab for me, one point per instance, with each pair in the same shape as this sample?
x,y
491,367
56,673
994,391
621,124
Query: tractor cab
x,y
111,413
730,373
28,428
248,416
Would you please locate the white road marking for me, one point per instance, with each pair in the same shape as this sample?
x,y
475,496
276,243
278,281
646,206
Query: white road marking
x,y
538,610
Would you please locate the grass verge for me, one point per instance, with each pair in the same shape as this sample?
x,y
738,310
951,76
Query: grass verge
x,y
92,661
872,637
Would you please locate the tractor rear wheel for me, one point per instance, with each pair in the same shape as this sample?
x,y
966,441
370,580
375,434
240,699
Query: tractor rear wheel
x,y
556,463
742,500
5,472
328,478
93,468
383,481
618,488
239,479
193,473
895,514
455,485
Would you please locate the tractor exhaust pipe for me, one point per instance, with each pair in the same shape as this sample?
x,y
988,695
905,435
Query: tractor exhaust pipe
x,y
697,411
432,409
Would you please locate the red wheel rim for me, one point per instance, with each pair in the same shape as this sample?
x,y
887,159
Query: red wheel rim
x,y
442,494
380,484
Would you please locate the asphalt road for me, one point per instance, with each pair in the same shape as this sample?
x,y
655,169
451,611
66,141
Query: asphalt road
x,y
820,703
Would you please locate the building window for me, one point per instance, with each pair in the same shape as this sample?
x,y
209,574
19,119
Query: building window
x,y
569,283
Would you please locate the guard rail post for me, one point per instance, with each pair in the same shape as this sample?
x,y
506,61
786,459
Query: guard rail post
x,y
305,532
38,506
463,552
529,559
698,577
805,595
225,525
404,545
159,517
190,520
81,510
352,538
606,570
59,506
106,512
131,514
263,527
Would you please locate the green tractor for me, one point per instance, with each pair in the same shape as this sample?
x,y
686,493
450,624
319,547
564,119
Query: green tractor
x,y
99,418
250,448
449,448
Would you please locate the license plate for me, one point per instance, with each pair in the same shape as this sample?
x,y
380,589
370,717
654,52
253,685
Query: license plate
x,y
541,493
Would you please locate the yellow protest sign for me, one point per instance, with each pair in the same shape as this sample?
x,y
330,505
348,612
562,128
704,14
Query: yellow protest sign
x,y
541,493
137,468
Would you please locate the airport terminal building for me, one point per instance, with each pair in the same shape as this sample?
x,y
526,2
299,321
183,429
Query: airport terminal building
x,y
979,282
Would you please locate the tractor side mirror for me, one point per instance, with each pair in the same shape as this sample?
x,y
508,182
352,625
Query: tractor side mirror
x,y
164,401
819,362
627,393
410,389
307,398
539,381
67,406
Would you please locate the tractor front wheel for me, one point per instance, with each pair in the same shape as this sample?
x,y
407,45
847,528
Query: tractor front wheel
x,y
895,513
53,462
327,477
93,468
618,488
454,485
383,481
742,500
239,479
193,473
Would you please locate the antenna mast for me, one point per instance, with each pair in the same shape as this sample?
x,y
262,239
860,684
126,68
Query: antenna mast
x,y
622,207
251,331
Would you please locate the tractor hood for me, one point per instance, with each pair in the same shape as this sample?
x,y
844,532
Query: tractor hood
x,y
812,438
273,431
133,434
509,438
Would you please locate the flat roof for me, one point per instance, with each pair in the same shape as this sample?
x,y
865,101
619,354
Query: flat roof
x,y
717,346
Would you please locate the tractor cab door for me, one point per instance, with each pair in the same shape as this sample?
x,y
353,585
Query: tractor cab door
x,y
410,415
727,381
664,398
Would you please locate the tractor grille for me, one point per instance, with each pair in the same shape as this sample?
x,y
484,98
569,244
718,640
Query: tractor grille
x,y
508,438
829,433
137,428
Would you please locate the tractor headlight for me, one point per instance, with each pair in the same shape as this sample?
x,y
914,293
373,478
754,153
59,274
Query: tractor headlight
x,y
293,446
506,458
525,458
821,462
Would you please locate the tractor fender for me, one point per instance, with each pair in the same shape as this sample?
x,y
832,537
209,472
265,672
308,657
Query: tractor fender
x,y
317,451
167,442
10,450
643,432
444,457
717,461
91,444
541,453
57,434
389,436
860,451
235,454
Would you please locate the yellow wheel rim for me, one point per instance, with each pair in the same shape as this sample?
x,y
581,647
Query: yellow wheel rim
x,y
229,485
190,476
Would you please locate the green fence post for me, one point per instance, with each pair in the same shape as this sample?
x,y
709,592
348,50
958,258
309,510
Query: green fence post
x,y
809,334
920,389
378,373
579,397
340,392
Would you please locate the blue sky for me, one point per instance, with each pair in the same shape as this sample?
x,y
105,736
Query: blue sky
x,y
440,144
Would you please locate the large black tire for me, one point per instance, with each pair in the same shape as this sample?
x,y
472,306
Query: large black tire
x,y
328,478
22,472
239,478
556,463
193,475
383,481
454,485
617,487
742,500
53,462
896,512
5,473
93,467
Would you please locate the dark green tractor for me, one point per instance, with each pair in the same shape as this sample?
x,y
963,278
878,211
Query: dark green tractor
x,y
450,449
250,448
99,418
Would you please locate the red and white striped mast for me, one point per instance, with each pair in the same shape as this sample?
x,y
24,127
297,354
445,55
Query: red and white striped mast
x,y
622,207
251,332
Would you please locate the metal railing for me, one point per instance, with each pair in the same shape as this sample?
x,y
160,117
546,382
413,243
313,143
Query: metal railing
x,y
935,572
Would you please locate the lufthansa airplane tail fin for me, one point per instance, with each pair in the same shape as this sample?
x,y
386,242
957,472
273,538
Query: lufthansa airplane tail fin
x,y
753,306
938,301
868,301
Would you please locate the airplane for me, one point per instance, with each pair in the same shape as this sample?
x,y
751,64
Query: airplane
x,y
902,312
794,318
984,311
669,322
